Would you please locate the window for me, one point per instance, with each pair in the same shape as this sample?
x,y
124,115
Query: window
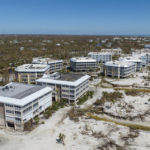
x,y
10,111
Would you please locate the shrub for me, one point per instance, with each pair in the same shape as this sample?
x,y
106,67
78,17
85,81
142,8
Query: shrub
x,y
111,97
132,92
55,106
75,113
36,120
62,138
28,126
85,97
42,122
131,126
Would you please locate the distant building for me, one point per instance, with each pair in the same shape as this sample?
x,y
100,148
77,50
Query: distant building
x,y
132,59
100,57
83,64
98,45
119,69
147,45
114,51
55,65
66,85
21,102
28,73
140,51
144,56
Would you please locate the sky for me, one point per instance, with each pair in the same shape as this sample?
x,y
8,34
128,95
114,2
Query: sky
x,y
93,17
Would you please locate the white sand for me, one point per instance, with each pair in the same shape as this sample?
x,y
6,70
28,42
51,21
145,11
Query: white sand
x,y
78,134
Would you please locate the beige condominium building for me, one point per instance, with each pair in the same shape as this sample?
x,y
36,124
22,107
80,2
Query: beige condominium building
x,y
28,73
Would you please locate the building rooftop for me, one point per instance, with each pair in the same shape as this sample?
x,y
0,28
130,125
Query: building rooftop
x,y
111,49
18,90
119,63
82,59
40,60
99,53
64,78
20,94
32,68
130,59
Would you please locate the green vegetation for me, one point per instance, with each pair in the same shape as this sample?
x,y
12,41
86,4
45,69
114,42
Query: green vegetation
x,y
55,106
134,92
36,120
85,97
111,97
19,49
62,138
115,57
132,126
75,113
28,126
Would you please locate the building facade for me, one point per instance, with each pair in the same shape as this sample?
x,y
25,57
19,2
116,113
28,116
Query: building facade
x,y
100,57
119,69
28,73
135,60
21,102
144,56
66,86
55,65
114,51
83,64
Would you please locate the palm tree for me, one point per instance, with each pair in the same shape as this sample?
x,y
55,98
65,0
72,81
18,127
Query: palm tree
x,y
61,138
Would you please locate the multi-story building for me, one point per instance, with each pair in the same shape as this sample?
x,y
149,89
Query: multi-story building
x,y
66,85
119,69
144,56
132,59
28,73
147,45
83,64
114,51
55,65
21,102
100,57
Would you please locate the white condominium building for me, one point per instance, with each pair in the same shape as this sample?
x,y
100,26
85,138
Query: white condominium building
x,y
114,51
28,73
66,85
132,59
21,102
145,57
101,57
119,69
55,65
83,64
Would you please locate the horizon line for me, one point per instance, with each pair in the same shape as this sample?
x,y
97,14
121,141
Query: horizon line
x,y
28,34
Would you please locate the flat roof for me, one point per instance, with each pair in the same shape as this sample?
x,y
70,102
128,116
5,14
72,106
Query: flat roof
x,y
82,59
20,94
69,79
130,59
40,60
112,49
32,68
99,53
119,63
69,76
